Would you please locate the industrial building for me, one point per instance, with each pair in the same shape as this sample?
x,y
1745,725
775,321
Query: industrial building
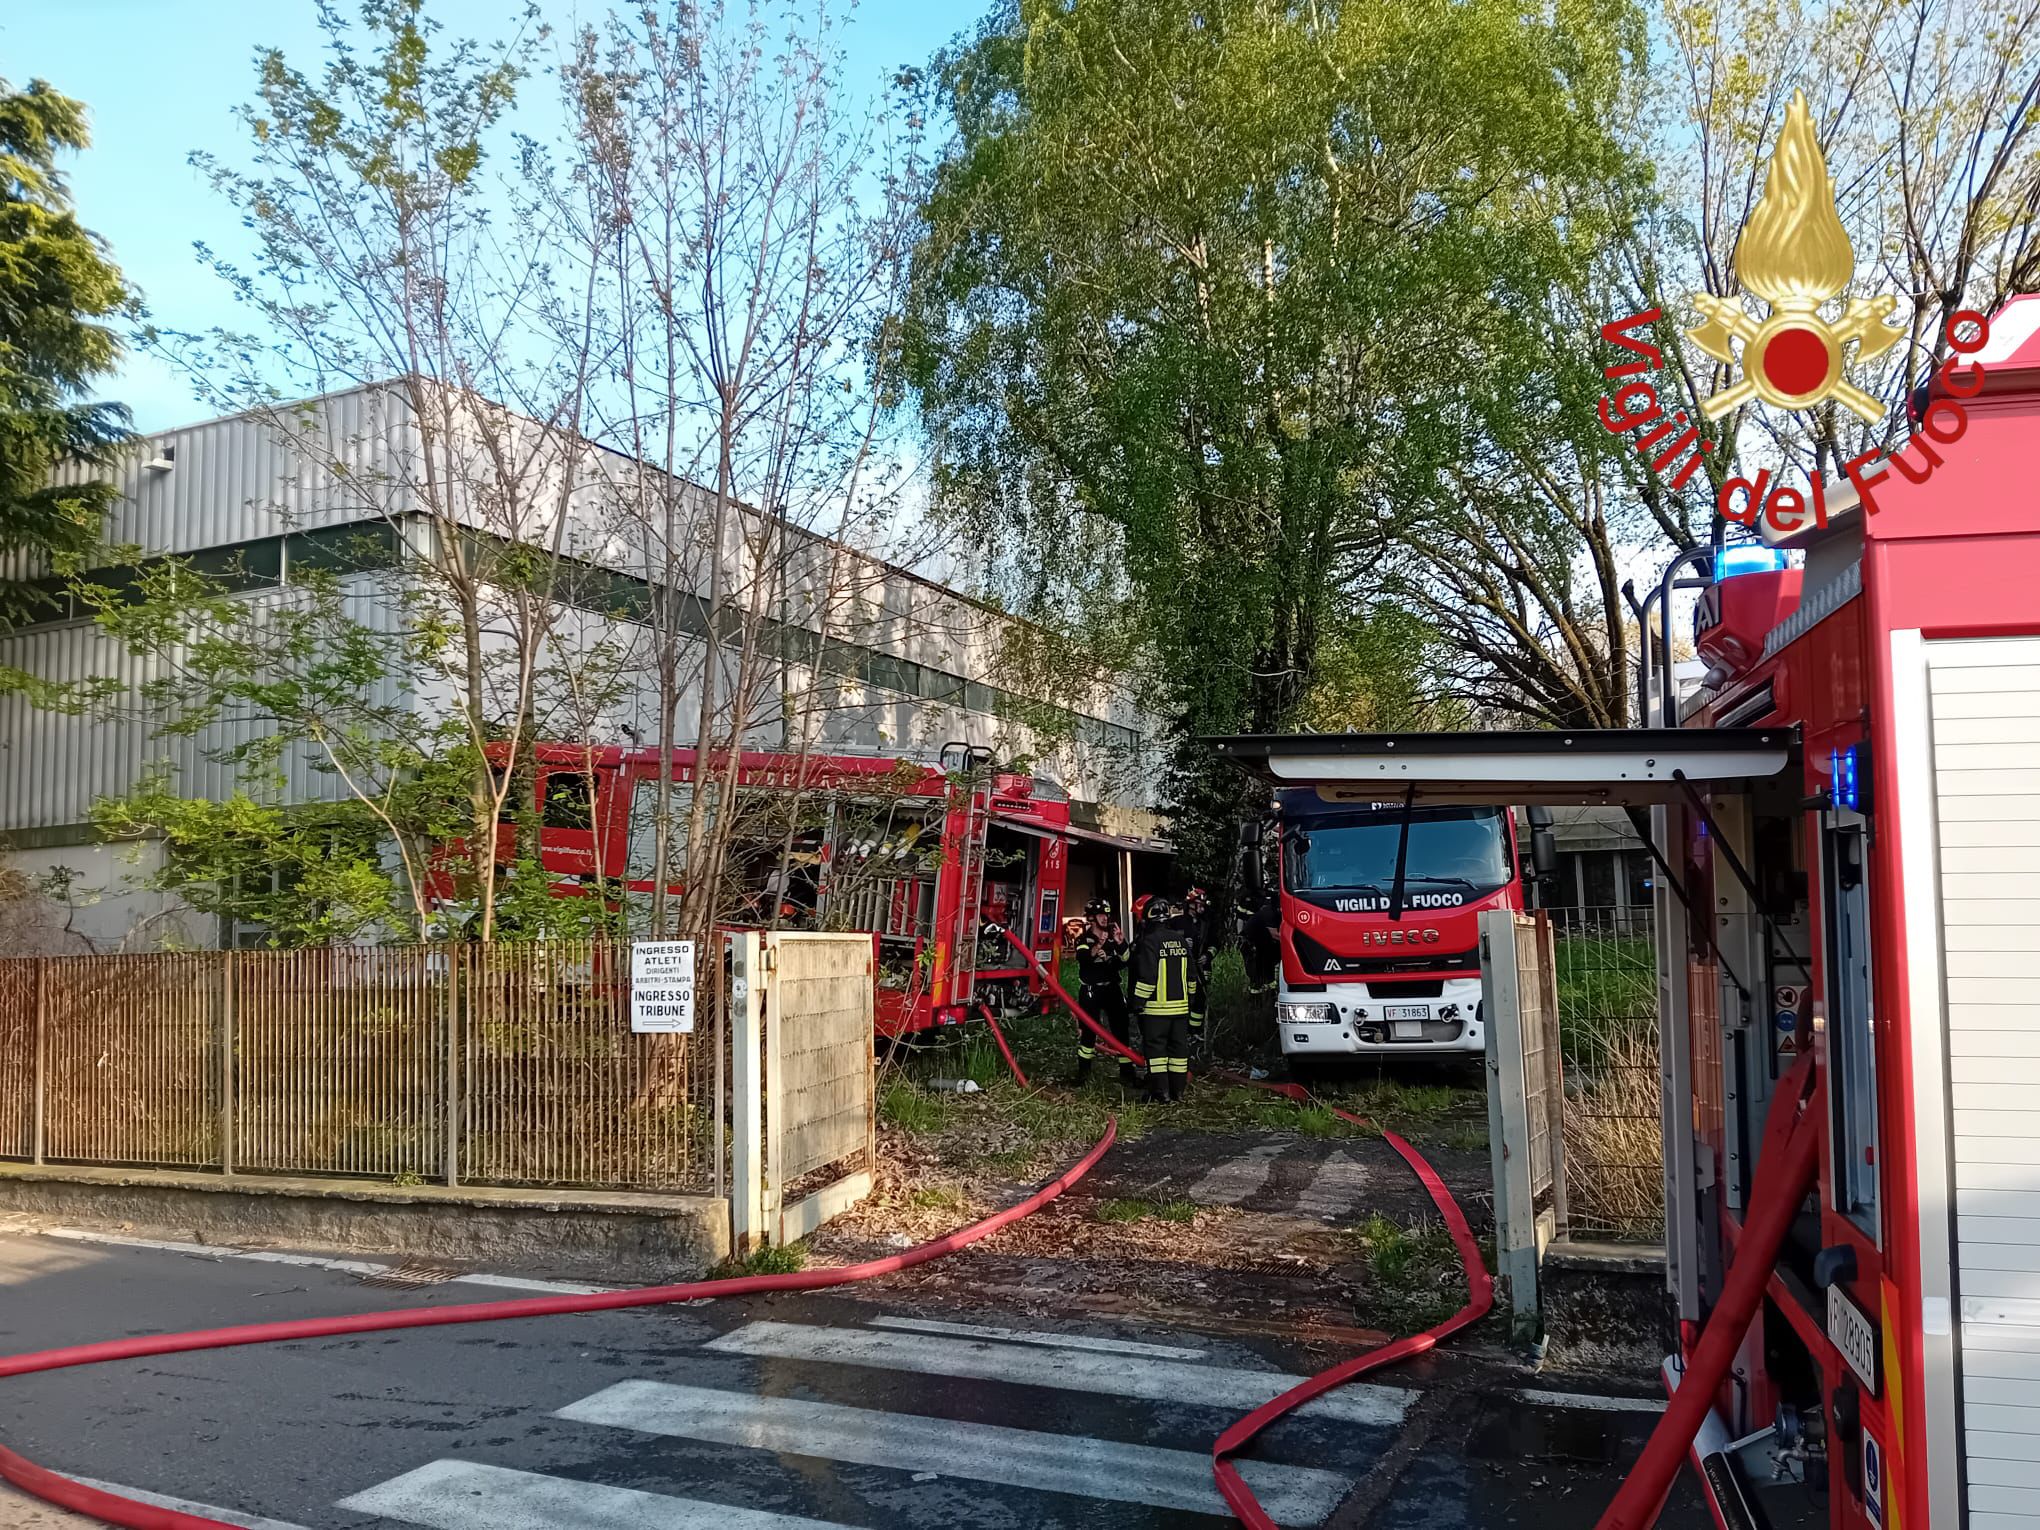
x,y
881,659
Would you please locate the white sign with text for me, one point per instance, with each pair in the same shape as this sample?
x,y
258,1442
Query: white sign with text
x,y
661,986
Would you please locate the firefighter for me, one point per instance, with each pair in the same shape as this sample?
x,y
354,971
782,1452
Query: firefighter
x,y
1260,939
1101,949
1164,987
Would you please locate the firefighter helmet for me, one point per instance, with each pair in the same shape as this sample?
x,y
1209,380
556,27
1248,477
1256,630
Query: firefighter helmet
x,y
1099,908
1196,898
1141,905
1158,909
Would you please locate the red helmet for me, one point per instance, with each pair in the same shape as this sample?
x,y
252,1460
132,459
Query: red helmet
x,y
1196,895
1140,906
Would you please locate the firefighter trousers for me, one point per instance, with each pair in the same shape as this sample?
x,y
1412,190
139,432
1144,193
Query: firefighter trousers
x,y
1166,1041
1106,1004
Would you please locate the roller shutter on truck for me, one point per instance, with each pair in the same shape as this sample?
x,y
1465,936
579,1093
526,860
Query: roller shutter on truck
x,y
1983,705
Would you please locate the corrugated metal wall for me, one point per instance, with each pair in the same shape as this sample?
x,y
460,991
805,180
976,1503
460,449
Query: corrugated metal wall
x,y
54,765
237,480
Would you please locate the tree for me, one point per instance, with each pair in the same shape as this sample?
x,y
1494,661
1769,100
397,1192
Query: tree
x,y
57,286
408,279
1192,284
620,389
1928,114
757,345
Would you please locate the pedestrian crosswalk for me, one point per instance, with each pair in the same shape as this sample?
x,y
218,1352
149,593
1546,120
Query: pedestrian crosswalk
x,y
1071,1370
771,1400
1027,1458
468,1495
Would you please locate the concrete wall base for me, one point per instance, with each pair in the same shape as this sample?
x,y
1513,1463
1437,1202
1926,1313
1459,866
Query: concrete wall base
x,y
609,1237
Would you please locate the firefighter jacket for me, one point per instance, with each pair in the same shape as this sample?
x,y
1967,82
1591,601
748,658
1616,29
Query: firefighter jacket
x,y
1101,956
1164,971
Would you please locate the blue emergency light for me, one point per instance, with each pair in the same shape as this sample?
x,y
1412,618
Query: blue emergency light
x,y
1847,786
1747,558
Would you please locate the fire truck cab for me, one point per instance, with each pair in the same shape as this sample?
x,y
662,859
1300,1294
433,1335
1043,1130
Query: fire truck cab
x,y
1378,909
1846,823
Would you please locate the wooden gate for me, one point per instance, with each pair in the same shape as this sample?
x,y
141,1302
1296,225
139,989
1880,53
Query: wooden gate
x,y
804,1090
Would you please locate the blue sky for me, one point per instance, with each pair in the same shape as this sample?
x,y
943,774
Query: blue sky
x,y
161,78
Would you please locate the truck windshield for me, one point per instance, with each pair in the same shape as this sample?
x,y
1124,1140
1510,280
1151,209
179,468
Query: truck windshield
x,y
1460,846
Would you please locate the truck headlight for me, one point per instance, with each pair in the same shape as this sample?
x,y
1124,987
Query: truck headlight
x,y
1296,1013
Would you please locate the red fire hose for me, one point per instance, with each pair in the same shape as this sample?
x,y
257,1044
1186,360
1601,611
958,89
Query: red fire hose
x,y
1480,1288
1786,1165
114,1509
1480,1298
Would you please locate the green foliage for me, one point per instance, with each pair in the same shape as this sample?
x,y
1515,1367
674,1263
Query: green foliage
x,y
56,285
766,1259
310,875
1607,995
1413,1276
911,1110
1196,284
1146,1211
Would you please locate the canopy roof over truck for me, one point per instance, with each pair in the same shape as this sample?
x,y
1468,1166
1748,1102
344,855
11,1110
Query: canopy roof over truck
x,y
1625,767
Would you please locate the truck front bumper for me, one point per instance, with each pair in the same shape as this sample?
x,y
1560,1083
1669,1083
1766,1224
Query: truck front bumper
x,y
1354,1019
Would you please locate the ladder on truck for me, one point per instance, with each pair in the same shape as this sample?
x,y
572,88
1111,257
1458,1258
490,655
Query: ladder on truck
x,y
973,765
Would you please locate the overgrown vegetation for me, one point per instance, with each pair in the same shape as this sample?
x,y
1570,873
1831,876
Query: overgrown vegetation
x,y
1024,1129
766,1259
1413,1277
1145,1211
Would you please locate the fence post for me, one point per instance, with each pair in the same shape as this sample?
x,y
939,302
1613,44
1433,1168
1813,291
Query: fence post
x,y
1509,1122
774,1093
719,1029
456,963
747,1096
228,972
37,1132
1547,968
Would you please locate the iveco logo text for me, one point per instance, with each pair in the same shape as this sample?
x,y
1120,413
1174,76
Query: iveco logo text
x,y
1398,937
1414,900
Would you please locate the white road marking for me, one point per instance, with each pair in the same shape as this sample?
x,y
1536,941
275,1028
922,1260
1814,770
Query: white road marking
x,y
186,1506
1233,1181
1051,1340
1022,1458
317,1262
1591,1402
465,1495
1212,1386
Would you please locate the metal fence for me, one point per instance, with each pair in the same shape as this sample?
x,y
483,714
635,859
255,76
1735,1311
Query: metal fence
x,y
495,1065
1607,1005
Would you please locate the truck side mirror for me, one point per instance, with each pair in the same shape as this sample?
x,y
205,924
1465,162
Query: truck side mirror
x,y
1543,843
1249,859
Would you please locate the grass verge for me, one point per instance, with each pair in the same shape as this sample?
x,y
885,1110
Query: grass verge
x,y
769,1259
1413,1278
1146,1211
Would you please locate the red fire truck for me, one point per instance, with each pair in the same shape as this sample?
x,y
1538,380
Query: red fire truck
x,y
1379,910
926,858
1846,823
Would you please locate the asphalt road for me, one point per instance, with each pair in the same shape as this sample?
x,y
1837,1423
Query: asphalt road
x,y
780,1414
